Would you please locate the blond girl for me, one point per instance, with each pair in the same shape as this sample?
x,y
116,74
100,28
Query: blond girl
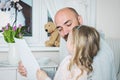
x,y
83,45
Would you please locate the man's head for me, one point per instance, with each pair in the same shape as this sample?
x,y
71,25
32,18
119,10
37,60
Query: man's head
x,y
66,19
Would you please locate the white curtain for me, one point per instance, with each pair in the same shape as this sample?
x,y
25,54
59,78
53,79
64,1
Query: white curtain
x,y
52,6
79,5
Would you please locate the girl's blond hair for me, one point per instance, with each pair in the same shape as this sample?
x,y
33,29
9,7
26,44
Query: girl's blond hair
x,y
86,44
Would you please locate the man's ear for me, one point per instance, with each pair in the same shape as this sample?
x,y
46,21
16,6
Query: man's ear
x,y
80,19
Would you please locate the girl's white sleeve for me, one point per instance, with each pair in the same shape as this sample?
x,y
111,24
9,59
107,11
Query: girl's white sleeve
x,y
62,70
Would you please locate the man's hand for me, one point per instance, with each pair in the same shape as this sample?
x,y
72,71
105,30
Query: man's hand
x,y
21,69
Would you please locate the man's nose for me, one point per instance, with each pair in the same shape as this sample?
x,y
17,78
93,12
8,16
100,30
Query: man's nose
x,y
65,31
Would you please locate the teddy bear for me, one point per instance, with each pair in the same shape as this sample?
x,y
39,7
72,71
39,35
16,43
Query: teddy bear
x,y
54,37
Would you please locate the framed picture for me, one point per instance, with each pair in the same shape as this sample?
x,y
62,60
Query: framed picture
x,y
16,14
27,13
34,17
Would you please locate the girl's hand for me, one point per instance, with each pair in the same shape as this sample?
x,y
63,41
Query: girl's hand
x,y
41,75
21,69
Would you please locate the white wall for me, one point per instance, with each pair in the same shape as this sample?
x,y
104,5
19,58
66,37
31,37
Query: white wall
x,y
108,17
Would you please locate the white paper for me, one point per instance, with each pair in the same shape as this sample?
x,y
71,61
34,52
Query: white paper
x,y
27,58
